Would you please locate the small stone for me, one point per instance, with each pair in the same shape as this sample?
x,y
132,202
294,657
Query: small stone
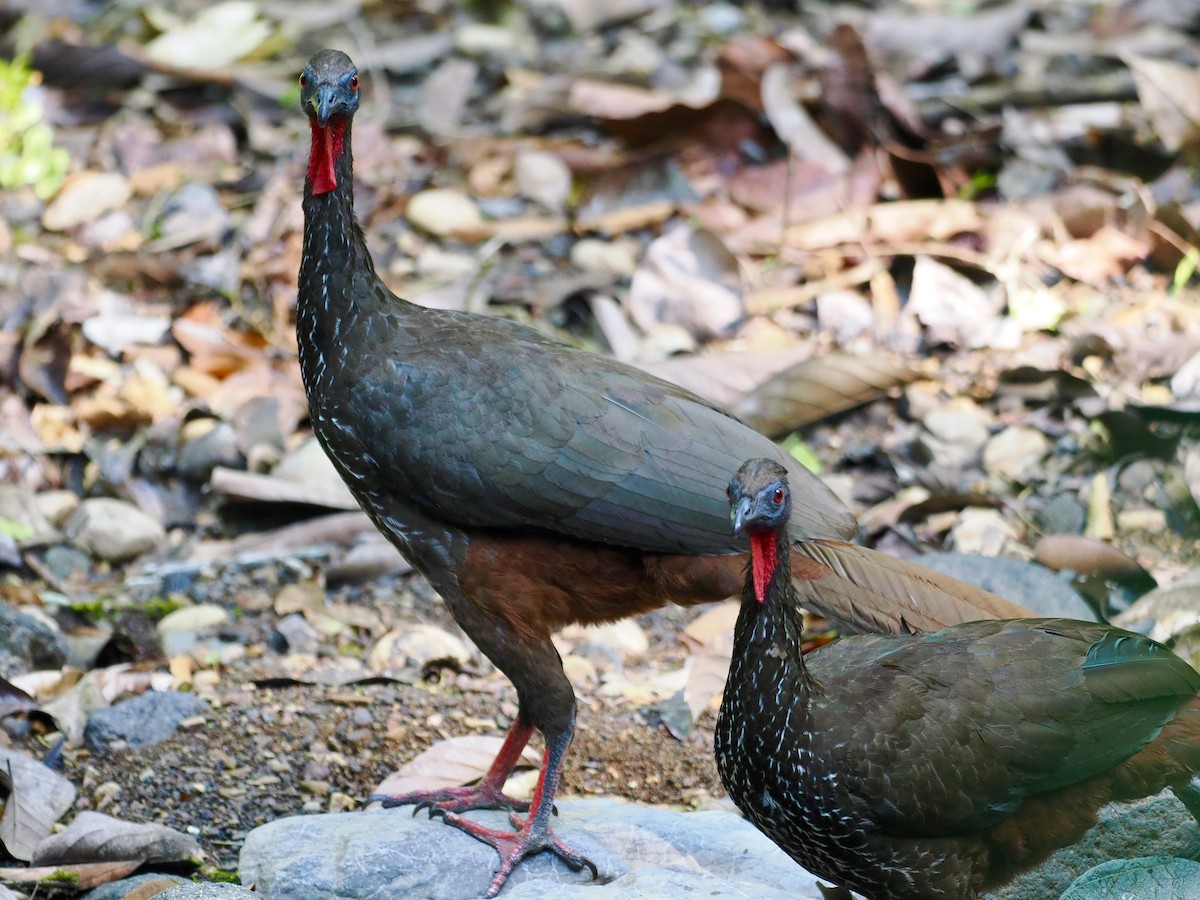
x,y
442,212
721,19
1062,514
194,214
216,447
1151,521
414,646
27,644
57,506
617,257
954,433
544,178
1015,453
85,198
114,530
297,635
984,531
141,721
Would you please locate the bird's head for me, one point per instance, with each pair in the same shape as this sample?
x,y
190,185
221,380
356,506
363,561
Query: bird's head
x,y
760,503
329,95
329,87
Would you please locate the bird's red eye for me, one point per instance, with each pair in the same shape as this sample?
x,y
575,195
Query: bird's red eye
x,y
354,82
303,80
778,496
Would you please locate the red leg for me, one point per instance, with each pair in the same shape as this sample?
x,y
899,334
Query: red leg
x,y
533,834
487,794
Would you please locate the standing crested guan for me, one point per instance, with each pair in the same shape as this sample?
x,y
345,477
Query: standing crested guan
x,y
536,485
938,764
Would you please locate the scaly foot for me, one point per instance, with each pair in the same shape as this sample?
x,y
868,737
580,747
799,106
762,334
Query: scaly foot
x,y
452,799
532,836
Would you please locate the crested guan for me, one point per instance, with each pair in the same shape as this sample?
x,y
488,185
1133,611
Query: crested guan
x,y
536,485
938,764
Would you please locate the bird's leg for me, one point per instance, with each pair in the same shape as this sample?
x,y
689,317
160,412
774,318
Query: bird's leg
x,y
487,794
533,834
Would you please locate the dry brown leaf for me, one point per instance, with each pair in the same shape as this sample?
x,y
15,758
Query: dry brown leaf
x,y
687,278
82,876
14,700
706,678
717,620
299,597
723,379
817,388
1170,96
37,796
1085,556
621,101
794,125
267,489
94,837
213,347
449,763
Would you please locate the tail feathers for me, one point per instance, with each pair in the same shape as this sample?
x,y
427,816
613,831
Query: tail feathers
x,y
1170,760
875,593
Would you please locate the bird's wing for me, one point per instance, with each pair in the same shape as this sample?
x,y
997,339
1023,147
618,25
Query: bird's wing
x,y
957,739
498,427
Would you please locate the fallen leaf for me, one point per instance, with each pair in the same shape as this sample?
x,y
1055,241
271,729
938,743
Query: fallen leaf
x,y
94,837
37,796
14,700
817,388
794,125
449,763
81,877
687,278
706,678
1169,95
217,36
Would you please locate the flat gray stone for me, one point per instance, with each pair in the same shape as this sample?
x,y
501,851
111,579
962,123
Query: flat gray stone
x,y
208,890
640,852
141,721
116,890
1029,584
1146,878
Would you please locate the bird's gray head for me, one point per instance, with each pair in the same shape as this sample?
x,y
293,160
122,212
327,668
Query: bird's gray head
x,y
329,87
759,497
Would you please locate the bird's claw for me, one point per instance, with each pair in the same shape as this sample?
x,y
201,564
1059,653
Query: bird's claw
x,y
454,799
528,840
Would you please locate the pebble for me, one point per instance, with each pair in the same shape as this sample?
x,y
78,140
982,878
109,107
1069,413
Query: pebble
x,y
27,644
954,433
113,530
544,178
722,19
414,646
21,509
984,531
1015,453
194,214
617,257
216,447
442,212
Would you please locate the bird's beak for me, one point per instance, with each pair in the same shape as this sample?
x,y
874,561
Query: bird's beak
x,y
323,103
739,514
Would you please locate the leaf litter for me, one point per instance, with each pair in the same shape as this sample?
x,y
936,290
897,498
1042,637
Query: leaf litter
x,y
964,291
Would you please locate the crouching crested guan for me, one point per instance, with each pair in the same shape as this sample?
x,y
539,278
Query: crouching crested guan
x,y
536,485
938,764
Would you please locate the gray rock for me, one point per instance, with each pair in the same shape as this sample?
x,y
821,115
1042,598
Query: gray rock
x,y
1021,582
1125,831
27,644
117,890
19,507
141,721
640,852
208,890
113,529
1146,878
216,447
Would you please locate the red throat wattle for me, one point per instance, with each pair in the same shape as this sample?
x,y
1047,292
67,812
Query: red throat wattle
x,y
764,557
328,142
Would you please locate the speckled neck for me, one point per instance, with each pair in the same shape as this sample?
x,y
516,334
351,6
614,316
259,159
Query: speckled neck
x,y
334,262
